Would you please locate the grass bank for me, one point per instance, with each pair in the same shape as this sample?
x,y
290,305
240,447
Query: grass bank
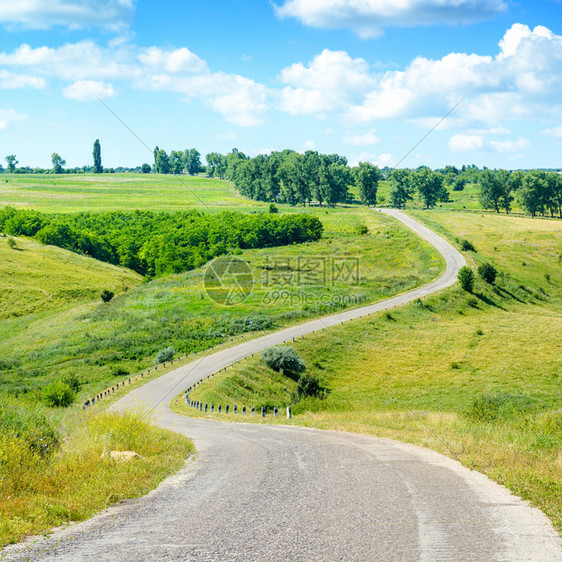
x,y
52,471
474,376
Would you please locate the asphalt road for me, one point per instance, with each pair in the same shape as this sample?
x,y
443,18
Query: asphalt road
x,y
284,493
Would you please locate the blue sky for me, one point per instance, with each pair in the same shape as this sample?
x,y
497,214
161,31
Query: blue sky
x,y
363,78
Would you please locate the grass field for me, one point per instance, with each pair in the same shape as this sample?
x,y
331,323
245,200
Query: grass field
x,y
416,373
92,340
118,192
36,278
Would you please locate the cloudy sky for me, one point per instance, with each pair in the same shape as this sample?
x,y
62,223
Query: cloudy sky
x,y
363,78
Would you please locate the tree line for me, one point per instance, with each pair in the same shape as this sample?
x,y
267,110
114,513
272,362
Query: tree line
x,y
159,243
536,191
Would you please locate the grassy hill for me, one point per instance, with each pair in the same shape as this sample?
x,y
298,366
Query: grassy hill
x,y
36,278
477,377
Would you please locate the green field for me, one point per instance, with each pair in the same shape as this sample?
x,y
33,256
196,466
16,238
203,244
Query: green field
x,y
413,374
36,278
118,192
93,340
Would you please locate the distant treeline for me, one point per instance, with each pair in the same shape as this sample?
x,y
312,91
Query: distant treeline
x,y
158,243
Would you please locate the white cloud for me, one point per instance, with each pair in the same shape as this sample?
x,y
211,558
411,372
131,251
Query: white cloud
x,y
9,116
466,143
367,18
309,145
555,133
366,139
43,14
174,61
509,146
331,80
12,81
88,90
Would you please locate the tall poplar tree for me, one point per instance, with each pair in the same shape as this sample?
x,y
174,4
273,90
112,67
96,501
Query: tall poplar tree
x,y
98,168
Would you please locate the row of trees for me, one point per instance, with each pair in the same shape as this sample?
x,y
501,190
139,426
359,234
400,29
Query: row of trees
x,y
177,162
156,244
295,178
535,191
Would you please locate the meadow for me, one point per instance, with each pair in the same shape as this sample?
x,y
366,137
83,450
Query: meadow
x,y
474,376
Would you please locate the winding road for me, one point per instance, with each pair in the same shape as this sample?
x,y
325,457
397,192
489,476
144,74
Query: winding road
x,y
258,492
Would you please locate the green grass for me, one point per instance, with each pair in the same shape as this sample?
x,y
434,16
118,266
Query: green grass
x,y
36,278
414,374
92,339
118,192
39,493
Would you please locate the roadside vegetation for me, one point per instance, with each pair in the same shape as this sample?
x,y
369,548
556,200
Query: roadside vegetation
x,y
474,375
56,471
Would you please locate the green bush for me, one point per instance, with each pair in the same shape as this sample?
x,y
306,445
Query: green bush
x,y
488,272
283,358
466,278
165,354
362,230
119,372
501,406
73,382
58,395
28,422
106,295
308,385
12,243
467,246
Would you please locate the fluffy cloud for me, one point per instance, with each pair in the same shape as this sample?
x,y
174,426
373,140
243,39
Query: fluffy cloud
x,y
510,146
177,61
9,116
88,90
466,143
521,80
555,133
12,81
43,14
369,138
367,18
331,80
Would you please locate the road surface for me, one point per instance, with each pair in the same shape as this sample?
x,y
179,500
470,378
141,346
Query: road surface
x,y
285,493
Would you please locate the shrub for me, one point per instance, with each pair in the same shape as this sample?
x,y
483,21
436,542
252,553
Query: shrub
x,y
283,358
165,354
308,385
488,272
72,381
106,295
467,246
466,278
362,230
12,243
58,395
273,208
119,372
28,422
503,405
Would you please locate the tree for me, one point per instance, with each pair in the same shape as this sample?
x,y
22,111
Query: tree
x,y
466,278
367,179
530,193
216,165
98,168
12,162
401,188
429,186
58,163
176,161
488,272
192,162
283,358
495,190
162,164
145,168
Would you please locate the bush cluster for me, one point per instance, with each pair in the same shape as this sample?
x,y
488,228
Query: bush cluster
x,y
157,243
283,358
